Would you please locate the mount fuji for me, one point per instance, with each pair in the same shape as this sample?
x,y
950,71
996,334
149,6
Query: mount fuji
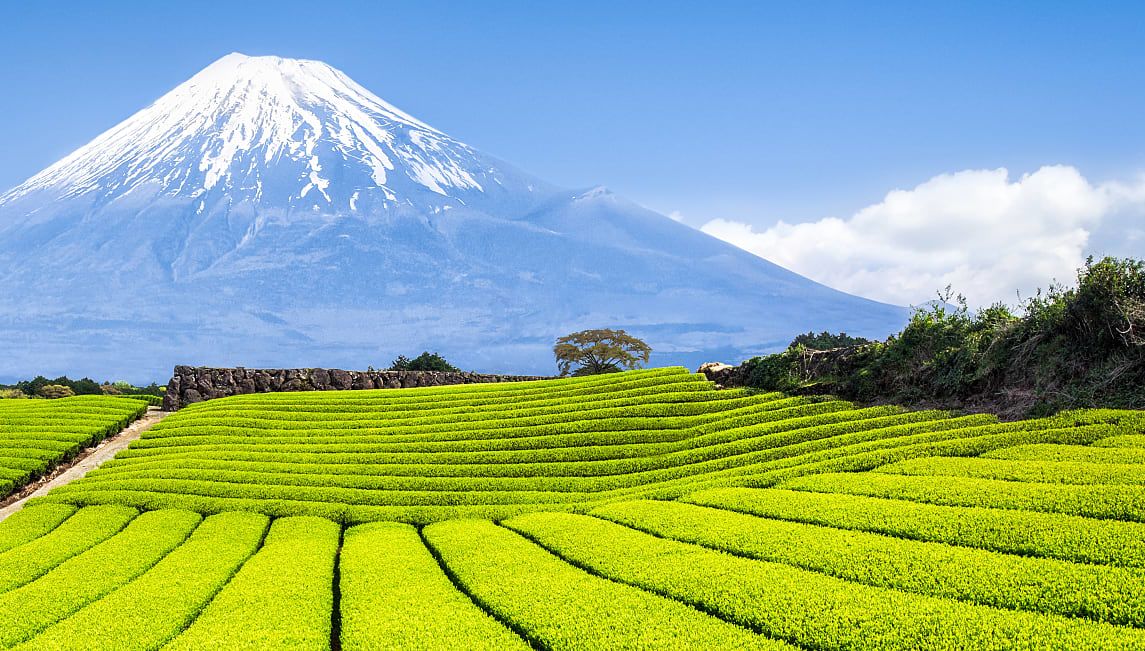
x,y
272,212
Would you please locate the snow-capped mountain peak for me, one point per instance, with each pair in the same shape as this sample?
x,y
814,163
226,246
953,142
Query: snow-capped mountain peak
x,y
272,212
278,132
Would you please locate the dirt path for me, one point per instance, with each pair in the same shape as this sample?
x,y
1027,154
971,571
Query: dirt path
x,y
88,460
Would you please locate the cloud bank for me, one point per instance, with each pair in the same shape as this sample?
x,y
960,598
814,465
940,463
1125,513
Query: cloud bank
x,y
983,233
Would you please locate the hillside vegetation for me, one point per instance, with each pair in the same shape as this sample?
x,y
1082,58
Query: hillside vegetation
x,y
633,510
36,435
1065,348
493,451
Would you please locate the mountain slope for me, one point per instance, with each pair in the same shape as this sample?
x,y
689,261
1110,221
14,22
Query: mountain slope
x,y
272,212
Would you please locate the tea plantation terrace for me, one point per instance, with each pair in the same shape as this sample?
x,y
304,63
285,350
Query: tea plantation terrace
x,y
37,435
633,510
500,450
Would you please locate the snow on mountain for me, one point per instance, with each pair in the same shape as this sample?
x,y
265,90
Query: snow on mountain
x,y
275,132
271,211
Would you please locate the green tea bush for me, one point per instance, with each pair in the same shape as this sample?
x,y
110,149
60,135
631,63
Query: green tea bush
x,y
799,606
557,606
159,605
1027,533
1094,592
280,599
395,596
91,575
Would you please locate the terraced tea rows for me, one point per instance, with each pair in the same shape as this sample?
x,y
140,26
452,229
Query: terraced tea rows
x,y
36,435
494,451
639,510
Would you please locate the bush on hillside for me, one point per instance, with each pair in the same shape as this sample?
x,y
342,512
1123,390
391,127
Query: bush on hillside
x,y
81,387
426,361
85,386
1062,348
827,341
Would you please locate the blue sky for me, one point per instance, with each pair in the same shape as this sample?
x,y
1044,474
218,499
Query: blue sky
x,y
733,114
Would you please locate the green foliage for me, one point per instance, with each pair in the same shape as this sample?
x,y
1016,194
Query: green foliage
x,y
12,394
84,387
1058,472
280,599
424,455
1078,453
89,576
426,361
592,352
1026,533
30,523
155,608
562,607
78,533
915,529
1094,501
1064,348
826,341
764,596
36,435
150,400
1094,592
395,596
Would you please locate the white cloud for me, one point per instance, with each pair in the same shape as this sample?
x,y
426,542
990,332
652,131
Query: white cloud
x,y
979,231
676,215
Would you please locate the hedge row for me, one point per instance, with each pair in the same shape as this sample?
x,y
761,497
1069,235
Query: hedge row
x,y
1084,454
1049,472
1097,592
91,575
280,599
36,435
395,596
1114,502
557,606
1046,535
159,605
802,607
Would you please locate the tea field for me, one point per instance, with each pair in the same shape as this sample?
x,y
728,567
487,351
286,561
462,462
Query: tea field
x,y
634,510
36,435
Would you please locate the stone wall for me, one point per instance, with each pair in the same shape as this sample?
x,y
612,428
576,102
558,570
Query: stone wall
x,y
192,384
725,376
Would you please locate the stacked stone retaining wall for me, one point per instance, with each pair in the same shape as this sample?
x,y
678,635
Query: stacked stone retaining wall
x,y
191,384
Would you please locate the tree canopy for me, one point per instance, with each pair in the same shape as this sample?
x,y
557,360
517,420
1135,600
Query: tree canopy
x,y
426,361
590,352
826,340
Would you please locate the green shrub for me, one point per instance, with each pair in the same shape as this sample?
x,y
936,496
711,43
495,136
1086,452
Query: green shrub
x,y
800,606
826,340
426,361
1095,592
1063,348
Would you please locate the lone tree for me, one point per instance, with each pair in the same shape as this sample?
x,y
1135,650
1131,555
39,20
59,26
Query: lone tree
x,y
599,351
